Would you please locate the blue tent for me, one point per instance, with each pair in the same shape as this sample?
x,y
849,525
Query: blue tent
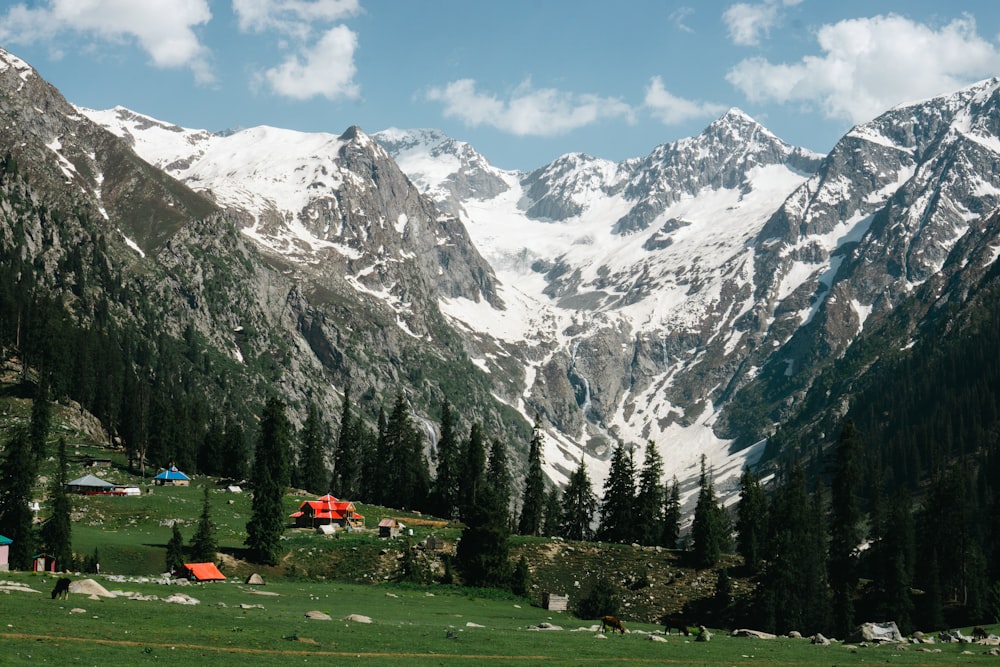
x,y
172,476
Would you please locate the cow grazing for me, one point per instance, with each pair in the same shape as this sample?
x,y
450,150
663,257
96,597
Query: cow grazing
x,y
612,622
979,633
674,621
62,588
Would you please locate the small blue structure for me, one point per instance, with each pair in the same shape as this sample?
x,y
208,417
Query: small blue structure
x,y
172,477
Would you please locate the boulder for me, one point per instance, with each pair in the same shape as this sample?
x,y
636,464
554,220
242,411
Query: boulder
x,y
820,640
753,634
876,633
318,616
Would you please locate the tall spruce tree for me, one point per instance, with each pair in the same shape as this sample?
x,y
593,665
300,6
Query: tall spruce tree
x,y
348,463
845,530
618,505
530,521
270,477
17,478
236,452
893,559
41,417
483,551
312,475
552,513
444,490
473,470
212,451
709,528
175,550
649,500
204,546
751,521
498,476
578,506
671,516
407,475
57,531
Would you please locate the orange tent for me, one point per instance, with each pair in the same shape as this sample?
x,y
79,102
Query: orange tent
x,y
204,572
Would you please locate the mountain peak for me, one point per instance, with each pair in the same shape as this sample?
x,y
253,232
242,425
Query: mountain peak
x,y
353,133
9,60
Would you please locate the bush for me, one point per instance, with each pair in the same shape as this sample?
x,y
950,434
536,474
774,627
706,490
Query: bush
x,y
602,600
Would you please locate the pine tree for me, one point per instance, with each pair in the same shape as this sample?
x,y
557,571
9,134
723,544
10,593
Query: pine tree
x,y
893,558
649,501
671,516
498,475
56,532
578,506
845,532
348,464
17,478
444,490
270,481
407,476
482,552
751,522
212,452
312,475
530,521
618,504
175,550
552,513
709,528
236,454
204,546
472,468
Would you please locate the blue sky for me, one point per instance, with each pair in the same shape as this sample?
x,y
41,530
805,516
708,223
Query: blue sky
x,y
523,81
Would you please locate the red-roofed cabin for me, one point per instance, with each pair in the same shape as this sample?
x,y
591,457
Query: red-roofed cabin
x,y
327,511
203,572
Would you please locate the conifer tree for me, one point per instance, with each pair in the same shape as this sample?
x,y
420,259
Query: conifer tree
x,y
175,550
530,521
649,503
618,504
212,451
498,475
893,559
17,478
444,490
709,528
473,469
845,532
552,514
671,516
578,506
483,551
348,464
236,454
312,474
270,481
204,546
57,531
751,521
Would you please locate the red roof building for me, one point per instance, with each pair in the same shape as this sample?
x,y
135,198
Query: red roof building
x,y
328,510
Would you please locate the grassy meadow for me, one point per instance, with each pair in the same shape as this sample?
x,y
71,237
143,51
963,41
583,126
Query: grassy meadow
x,y
410,626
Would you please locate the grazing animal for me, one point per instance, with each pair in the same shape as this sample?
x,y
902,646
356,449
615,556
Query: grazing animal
x,y
62,588
612,622
979,633
673,621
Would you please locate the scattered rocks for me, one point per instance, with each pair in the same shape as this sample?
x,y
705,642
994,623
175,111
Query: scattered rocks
x,y
753,634
357,618
318,616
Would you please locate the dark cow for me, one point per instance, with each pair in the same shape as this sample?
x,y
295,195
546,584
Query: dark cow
x,y
675,621
62,588
979,633
612,622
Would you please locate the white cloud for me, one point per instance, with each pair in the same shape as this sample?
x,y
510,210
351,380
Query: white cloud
x,y
163,28
672,110
293,17
870,64
679,16
749,23
528,112
326,69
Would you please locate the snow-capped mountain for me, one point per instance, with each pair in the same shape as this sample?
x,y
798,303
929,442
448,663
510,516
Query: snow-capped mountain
x,y
686,297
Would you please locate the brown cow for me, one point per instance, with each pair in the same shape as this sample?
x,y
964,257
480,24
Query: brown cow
x,y
62,588
612,622
675,621
979,633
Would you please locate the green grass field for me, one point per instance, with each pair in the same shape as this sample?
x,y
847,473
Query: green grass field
x,y
410,626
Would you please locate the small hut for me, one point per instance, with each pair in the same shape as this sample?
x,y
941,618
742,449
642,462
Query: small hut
x,y
389,528
172,477
43,563
5,543
89,485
